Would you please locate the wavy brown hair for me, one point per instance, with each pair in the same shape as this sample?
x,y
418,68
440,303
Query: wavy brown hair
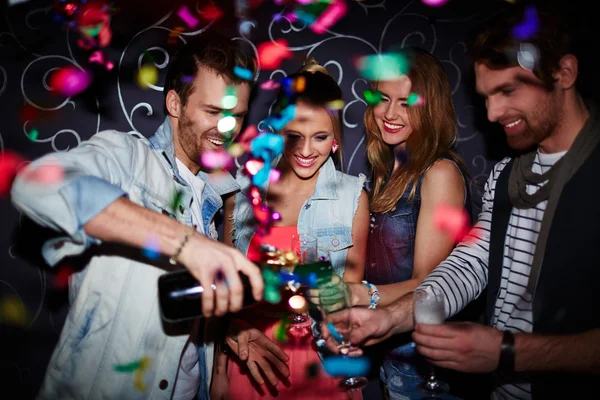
x,y
433,132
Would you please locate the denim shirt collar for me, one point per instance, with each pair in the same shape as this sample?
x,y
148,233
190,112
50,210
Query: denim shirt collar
x,y
162,140
326,188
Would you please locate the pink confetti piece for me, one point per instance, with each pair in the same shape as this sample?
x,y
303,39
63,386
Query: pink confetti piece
x,y
70,81
271,54
274,175
329,17
434,3
48,173
253,166
216,159
9,165
269,85
189,19
247,136
453,220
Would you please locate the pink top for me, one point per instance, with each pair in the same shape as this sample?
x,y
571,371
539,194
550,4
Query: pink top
x,y
307,378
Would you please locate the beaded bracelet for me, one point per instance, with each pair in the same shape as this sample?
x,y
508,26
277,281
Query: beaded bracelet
x,y
173,259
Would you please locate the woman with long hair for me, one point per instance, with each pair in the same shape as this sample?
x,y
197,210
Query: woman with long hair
x,y
415,170
313,198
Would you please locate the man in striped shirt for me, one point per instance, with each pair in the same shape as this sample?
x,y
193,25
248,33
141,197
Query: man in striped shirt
x,y
539,327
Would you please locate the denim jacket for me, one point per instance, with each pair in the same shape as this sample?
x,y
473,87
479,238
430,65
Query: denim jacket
x,y
328,214
114,316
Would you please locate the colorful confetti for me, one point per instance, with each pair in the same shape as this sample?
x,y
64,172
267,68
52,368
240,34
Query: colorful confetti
x,y
33,135
346,366
269,85
229,100
211,12
414,100
151,248
434,3
529,27
527,56
48,173
271,54
138,368
9,164
243,73
174,34
373,97
216,160
69,81
61,281
13,312
329,17
453,220
388,66
146,76
187,17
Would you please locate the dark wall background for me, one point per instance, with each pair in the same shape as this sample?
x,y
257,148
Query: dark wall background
x,y
32,44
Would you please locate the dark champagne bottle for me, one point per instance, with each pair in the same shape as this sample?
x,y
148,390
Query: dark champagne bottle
x,y
180,295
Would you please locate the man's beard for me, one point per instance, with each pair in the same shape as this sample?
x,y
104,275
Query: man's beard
x,y
187,139
546,119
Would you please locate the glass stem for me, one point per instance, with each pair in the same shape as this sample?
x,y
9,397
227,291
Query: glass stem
x,y
431,373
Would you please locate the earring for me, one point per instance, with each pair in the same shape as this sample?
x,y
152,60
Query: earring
x,y
334,146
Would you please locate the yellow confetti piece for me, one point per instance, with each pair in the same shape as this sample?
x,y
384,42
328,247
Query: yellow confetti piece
x,y
13,312
147,75
138,375
138,381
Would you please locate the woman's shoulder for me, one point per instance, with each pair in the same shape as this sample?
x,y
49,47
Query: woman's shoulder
x,y
443,173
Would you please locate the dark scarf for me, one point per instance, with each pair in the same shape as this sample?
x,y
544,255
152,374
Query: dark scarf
x,y
557,176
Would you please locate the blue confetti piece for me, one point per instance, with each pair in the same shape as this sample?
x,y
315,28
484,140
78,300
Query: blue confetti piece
x,y
346,366
151,249
529,27
243,73
334,332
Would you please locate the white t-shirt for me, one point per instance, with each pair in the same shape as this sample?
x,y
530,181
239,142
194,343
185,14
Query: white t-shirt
x,y
188,376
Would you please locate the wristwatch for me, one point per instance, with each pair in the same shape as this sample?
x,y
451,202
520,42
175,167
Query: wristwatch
x,y
373,293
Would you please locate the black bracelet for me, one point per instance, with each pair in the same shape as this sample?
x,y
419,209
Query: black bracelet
x,y
507,352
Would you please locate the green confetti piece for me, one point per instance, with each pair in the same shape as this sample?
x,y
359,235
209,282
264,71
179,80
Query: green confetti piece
x,y
272,295
413,99
281,331
383,67
131,367
373,97
176,200
33,135
230,99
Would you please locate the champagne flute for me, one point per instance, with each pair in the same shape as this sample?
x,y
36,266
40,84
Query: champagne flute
x,y
334,297
305,247
429,308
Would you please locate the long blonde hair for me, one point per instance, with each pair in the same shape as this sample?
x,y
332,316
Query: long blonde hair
x,y
320,91
433,133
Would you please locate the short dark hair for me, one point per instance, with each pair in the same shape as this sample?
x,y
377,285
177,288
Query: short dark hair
x,y
210,50
493,43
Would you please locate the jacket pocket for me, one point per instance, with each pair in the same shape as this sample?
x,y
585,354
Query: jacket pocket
x,y
333,239
398,228
85,322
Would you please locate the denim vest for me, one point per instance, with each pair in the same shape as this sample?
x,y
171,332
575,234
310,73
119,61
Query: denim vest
x,y
390,259
328,214
113,316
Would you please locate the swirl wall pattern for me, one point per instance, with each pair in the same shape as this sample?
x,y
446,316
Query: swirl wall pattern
x,y
33,45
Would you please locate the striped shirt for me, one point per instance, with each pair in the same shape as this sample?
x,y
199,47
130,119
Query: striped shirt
x,y
463,275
